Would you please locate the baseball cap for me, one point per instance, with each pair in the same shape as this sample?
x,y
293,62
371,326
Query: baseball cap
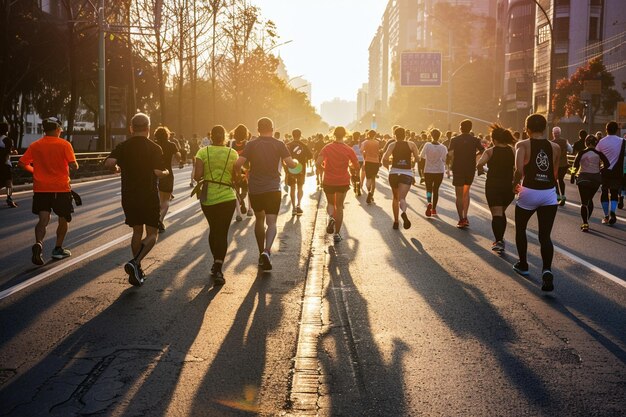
x,y
51,123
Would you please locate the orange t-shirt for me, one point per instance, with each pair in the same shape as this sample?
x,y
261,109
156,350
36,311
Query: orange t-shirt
x,y
50,157
371,150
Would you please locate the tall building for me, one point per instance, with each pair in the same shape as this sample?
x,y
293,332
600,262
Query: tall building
x,y
362,101
582,29
338,112
376,72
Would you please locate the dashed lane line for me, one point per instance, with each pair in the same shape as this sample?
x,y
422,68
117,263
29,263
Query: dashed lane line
x,y
73,261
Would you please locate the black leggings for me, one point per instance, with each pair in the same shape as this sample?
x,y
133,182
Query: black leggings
x,y
587,190
545,218
219,217
433,182
562,172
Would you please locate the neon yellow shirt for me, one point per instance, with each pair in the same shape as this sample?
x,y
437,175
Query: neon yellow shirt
x,y
218,166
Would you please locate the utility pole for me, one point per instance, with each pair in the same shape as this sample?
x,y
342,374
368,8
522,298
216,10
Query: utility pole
x,y
102,122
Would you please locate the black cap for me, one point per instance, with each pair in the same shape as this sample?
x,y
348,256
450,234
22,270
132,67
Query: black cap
x,y
51,123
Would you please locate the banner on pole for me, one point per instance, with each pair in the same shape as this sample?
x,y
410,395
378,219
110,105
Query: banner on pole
x,y
420,69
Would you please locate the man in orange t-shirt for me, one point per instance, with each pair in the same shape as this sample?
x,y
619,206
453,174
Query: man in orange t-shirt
x,y
371,153
48,159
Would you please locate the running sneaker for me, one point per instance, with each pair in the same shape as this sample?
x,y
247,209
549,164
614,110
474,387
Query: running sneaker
x,y
134,277
584,227
294,212
11,203
605,220
547,278
264,261
429,210
406,223
217,274
612,218
299,211
161,227
521,268
498,246
238,218
562,201
466,222
337,238
369,198
250,212
60,253
620,203
191,184
37,249
396,225
433,212
331,225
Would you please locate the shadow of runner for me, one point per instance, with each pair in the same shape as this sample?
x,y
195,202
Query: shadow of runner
x,y
105,363
349,345
233,383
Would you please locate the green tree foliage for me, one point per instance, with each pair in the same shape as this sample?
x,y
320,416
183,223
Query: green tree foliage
x,y
567,95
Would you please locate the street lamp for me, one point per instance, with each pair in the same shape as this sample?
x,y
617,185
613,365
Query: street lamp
x,y
451,76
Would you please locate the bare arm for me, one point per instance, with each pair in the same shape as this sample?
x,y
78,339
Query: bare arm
x,y
289,162
198,172
239,163
161,173
111,164
520,157
388,153
484,158
73,165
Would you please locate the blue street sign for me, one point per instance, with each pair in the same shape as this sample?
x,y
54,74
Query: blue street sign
x,y
420,69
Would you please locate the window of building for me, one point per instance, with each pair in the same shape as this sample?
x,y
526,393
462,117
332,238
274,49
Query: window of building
x,y
594,28
543,34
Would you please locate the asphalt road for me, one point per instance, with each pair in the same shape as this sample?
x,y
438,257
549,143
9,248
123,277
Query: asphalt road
x,y
425,321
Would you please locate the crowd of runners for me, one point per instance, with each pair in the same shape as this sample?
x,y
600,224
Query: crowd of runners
x,y
239,173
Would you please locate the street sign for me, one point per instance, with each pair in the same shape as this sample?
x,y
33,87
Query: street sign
x,y
420,69
521,104
621,112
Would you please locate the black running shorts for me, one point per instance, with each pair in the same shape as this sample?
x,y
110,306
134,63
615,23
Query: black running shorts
x,y
166,184
295,179
499,196
333,189
59,203
397,179
462,178
142,209
371,169
267,202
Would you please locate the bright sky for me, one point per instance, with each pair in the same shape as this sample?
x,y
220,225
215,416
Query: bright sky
x,y
330,41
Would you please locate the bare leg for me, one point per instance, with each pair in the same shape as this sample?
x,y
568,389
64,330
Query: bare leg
x,y
259,229
40,228
458,191
466,200
330,204
61,231
395,205
339,198
140,247
300,193
403,190
270,233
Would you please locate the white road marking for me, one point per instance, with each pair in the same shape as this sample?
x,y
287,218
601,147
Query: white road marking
x,y
73,261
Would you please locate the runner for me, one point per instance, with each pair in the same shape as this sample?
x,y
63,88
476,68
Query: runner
x,y
6,169
357,182
446,143
612,146
240,138
215,165
500,159
404,156
300,152
563,164
588,177
536,169
620,204
434,155
464,150
265,155
371,156
48,159
335,160
318,145
141,162
580,144
166,184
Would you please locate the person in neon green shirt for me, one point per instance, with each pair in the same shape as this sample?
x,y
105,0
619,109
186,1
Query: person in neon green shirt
x,y
215,165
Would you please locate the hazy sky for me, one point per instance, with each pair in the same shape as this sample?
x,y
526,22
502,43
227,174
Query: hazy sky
x,y
330,41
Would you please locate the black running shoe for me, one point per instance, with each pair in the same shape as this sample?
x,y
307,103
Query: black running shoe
x,y
369,198
547,279
406,223
521,268
37,249
217,274
11,203
134,277
612,218
265,262
620,203
331,226
396,225
161,227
